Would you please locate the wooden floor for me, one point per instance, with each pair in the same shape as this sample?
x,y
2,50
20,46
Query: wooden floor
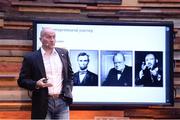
x,y
25,115
74,115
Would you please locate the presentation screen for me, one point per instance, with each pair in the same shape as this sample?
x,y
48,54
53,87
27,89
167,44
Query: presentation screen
x,y
116,63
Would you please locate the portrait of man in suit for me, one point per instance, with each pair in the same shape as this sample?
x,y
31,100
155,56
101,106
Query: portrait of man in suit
x,y
120,74
84,77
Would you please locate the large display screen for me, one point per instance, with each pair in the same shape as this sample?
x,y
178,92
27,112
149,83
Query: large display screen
x,y
117,62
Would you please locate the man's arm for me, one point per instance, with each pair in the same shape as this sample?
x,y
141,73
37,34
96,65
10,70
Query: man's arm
x,y
25,79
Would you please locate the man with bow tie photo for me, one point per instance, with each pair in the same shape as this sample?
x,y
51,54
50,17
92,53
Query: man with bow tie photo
x,y
84,77
120,74
48,74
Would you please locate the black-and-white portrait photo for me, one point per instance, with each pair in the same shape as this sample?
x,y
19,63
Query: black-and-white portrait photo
x,y
85,67
148,69
116,68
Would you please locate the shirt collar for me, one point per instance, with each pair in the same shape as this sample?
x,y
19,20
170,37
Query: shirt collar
x,y
44,52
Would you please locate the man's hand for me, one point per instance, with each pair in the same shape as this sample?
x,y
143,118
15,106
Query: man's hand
x,y
155,71
141,74
41,84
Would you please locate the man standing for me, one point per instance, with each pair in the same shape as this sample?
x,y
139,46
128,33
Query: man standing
x,y
121,74
84,77
48,74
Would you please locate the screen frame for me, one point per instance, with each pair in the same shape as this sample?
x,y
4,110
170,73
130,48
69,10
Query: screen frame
x,y
169,58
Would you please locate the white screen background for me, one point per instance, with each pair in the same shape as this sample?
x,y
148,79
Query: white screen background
x,y
104,37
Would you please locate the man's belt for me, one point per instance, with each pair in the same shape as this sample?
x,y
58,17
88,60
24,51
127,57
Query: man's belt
x,y
55,96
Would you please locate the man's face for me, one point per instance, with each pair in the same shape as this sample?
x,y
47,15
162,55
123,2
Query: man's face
x,y
150,60
48,39
119,62
83,62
